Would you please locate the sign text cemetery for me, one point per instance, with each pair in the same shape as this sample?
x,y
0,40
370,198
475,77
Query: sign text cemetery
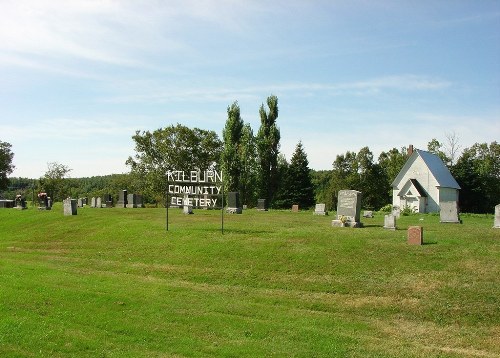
x,y
194,188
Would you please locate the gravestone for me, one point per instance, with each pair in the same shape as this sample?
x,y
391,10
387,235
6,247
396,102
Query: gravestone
x,y
245,206
496,223
69,206
390,222
261,204
122,199
348,209
80,202
295,208
415,235
85,201
448,212
139,201
187,209
396,211
6,203
320,209
43,202
131,201
93,202
49,203
368,214
233,203
98,202
107,200
20,203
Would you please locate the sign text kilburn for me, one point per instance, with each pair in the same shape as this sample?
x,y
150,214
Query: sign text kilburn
x,y
197,188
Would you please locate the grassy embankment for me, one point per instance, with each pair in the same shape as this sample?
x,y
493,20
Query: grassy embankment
x,y
113,282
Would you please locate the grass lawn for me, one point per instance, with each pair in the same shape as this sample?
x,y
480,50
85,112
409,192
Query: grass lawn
x,y
115,283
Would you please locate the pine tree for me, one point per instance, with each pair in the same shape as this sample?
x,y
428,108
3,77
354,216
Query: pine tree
x,y
300,188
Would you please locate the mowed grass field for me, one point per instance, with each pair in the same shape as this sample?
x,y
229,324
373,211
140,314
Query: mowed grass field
x,y
115,283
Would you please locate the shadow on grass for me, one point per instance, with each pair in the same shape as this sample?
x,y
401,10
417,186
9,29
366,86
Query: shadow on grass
x,y
429,243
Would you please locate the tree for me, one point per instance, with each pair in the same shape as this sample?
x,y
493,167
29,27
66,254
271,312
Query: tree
x,y
6,166
435,147
357,171
391,163
172,148
231,153
53,181
268,144
249,166
282,198
452,147
300,189
477,172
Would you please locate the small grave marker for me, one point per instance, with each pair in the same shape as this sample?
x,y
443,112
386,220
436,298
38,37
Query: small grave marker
x,y
261,204
320,209
415,235
390,222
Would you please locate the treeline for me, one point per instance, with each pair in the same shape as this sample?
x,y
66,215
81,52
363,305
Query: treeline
x,y
253,166
72,187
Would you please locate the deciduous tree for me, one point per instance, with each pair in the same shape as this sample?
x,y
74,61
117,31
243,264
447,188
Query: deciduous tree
x,y
6,166
172,148
268,145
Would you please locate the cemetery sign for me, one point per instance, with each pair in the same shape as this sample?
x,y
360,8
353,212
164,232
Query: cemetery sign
x,y
194,188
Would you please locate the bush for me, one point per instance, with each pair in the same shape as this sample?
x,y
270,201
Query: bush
x,y
407,210
386,208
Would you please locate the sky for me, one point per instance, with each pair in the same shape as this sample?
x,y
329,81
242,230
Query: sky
x,y
78,78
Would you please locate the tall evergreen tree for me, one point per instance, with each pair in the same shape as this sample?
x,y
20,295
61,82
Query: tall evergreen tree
x,y
231,152
300,188
268,144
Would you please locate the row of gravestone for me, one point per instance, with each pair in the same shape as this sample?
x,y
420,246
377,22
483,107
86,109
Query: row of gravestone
x,y
125,201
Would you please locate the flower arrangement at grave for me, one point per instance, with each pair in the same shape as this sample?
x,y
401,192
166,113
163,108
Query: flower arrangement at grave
x,y
42,199
343,219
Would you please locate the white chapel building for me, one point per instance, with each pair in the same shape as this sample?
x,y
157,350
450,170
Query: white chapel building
x,y
424,182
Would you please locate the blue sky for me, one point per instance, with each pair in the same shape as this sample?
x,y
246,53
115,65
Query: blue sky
x,y
78,78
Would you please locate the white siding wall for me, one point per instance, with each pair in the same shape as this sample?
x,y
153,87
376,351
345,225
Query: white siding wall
x,y
418,170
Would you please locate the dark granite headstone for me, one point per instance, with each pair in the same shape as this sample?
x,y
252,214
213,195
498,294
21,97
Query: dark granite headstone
x,y
233,203
139,201
7,204
261,204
